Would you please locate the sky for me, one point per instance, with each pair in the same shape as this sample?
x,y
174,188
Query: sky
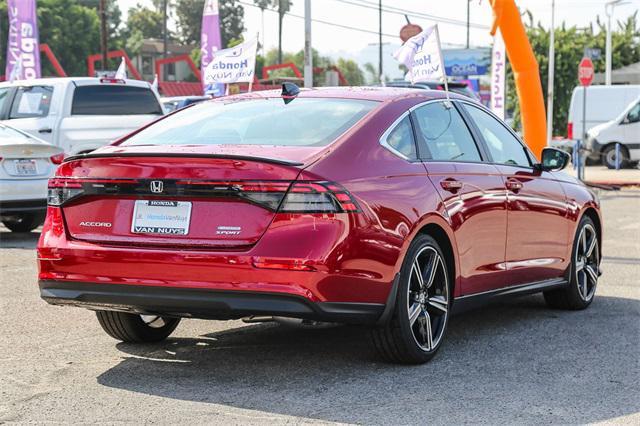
x,y
330,39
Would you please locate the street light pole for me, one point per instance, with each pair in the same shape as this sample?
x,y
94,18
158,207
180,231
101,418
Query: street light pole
x,y
468,20
608,9
308,53
164,34
551,74
380,40
103,33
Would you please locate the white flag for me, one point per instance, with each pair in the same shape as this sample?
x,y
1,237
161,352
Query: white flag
x,y
498,72
422,55
122,70
154,85
233,65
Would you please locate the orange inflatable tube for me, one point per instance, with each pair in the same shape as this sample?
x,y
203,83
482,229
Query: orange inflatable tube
x,y
525,70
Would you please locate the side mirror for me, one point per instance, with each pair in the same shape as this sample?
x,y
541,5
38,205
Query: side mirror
x,y
553,160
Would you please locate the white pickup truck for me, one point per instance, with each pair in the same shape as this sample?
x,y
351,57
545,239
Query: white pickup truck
x,y
78,114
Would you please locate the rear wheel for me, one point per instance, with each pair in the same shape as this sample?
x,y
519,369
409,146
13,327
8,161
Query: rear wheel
x,y
416,330
134,328
609,156
24,222
584,273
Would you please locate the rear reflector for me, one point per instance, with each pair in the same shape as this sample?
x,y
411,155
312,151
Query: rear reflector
x,y
286,264
569,130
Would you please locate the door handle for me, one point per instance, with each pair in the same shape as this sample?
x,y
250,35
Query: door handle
x,y
45,130
514,185
450,184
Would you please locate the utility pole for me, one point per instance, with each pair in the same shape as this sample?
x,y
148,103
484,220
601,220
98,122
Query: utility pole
x,y
551,70
164,23
308,53
468,20
380,40
103,33
608,9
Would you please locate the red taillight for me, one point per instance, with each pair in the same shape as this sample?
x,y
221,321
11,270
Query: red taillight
x,y
318,197
57,158
569,130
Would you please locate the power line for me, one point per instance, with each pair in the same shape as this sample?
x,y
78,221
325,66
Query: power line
x,y
400,11
333,24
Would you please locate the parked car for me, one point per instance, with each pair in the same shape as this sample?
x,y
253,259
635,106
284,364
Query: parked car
x,y
378,206
604,103
26,164
454,87
177,102
623,130
78,114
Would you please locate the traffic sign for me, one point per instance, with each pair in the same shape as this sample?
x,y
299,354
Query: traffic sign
x,y
585,71
409,31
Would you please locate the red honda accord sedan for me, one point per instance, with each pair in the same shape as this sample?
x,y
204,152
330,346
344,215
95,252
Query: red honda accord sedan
x,y
375,206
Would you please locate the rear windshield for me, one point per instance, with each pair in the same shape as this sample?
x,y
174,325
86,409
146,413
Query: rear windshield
x,y
114,100
302,122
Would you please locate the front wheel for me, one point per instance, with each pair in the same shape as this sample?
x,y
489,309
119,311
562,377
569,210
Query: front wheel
x,y
416,330
24,222
132,328
584,271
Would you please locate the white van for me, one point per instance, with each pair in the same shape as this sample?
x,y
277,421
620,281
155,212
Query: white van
x,y
604,103
625,130
78,114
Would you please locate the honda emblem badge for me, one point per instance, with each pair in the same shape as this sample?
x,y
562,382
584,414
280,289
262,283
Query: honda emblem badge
x,y
157,186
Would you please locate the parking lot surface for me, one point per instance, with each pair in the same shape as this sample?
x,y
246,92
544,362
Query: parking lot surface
x,y
512,362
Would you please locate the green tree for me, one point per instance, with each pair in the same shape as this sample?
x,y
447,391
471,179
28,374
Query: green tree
x,y
189,19
71,29
351,71
149,22
569,49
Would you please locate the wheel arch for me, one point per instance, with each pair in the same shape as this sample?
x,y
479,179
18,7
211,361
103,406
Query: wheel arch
x,y
441,236
592,214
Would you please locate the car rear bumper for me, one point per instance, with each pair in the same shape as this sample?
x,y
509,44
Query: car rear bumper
x,y
201,303
22,206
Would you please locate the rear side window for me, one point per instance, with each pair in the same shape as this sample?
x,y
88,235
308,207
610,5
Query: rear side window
x,y
114,100
400,139
266,121
445,134
4,96
31,101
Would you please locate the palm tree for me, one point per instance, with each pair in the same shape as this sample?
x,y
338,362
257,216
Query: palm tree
x,y
283,6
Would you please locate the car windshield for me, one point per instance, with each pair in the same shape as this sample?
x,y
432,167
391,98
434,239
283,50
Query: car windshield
x,y
266,121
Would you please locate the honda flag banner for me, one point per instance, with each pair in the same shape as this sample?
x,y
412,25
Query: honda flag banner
x,y
498,72
422,55
210,43
23,47
234,65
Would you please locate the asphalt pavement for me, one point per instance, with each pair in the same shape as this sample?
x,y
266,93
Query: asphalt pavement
x,y
512,362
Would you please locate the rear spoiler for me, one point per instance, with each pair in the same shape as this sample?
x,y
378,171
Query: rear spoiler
x,y
185,155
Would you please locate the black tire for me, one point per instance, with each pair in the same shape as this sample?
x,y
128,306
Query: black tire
x,y
583,271
24,222
399,340
609,156
132,328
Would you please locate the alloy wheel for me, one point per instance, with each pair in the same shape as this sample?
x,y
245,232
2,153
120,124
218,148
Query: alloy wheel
x,y
587,261
428,298
153,321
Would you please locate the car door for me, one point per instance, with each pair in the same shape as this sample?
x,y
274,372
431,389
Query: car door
x,y
537,219
31,111
472,191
